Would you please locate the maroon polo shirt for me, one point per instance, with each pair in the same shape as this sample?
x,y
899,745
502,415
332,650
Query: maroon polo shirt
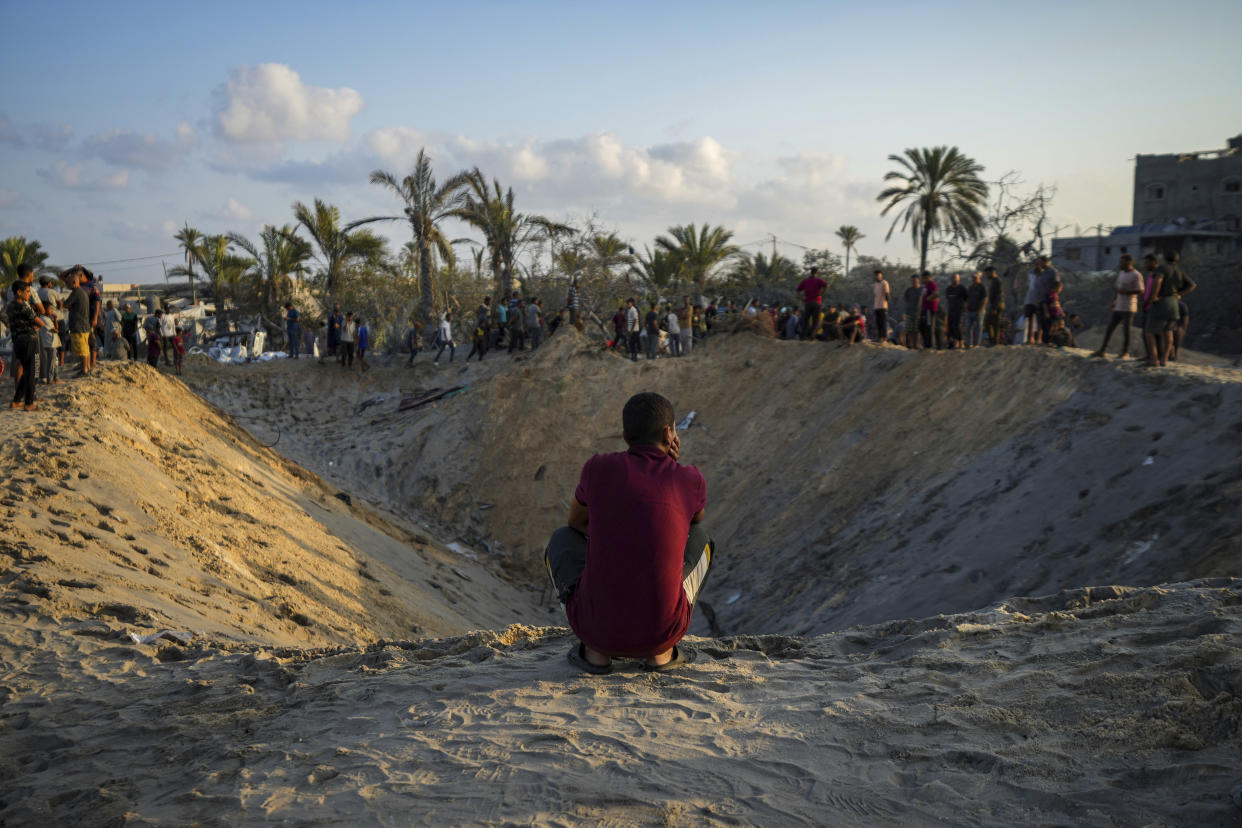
x,y
812,287
629,601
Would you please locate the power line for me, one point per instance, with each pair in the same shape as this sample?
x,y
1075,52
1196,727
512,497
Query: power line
x,y
135,259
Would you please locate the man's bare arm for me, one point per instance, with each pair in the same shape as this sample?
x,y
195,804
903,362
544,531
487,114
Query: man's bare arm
x,y
579,516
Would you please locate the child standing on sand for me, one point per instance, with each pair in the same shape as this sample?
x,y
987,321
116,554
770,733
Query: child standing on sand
x,y
178,349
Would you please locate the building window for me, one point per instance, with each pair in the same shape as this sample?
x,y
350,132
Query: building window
x,y
1123,248
1107,251
1233,184
1155,192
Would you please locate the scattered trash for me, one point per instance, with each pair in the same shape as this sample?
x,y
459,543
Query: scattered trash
x,y
345,498
171,635
733,598
1149,461
686,421
463,551
419,400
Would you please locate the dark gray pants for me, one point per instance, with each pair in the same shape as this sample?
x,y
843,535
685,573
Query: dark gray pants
x,y
565,558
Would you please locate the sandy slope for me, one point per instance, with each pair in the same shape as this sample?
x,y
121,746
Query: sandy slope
x,y
1092,707
334,681
845,486
128,497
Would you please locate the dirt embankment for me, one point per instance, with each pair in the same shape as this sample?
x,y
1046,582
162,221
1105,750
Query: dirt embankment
x,y
129,501
846,486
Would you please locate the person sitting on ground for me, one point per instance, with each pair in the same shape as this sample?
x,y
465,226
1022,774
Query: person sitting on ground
x,y
791,325
1060,336
629,565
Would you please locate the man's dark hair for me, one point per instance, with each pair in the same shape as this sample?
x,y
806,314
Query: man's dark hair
x,y
879,273
926,274
645,417
21,285
24,269
814,270
1171,256
990,269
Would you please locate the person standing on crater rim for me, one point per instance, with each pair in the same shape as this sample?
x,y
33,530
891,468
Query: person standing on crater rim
x,y
629,565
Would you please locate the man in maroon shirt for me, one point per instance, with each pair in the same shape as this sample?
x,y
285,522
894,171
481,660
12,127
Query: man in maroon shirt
x,y
629,566
812,288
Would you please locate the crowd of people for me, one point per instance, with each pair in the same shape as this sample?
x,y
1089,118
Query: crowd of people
x,y
47,325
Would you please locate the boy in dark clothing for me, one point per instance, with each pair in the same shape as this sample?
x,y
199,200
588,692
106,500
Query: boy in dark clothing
x,y
913,298
24,329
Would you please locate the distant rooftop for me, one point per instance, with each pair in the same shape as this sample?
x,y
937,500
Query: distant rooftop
x,y
1233,146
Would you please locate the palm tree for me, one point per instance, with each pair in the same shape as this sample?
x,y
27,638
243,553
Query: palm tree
x,y
698,251
659,269
221,268
849,236
426,205
283,253
506,232
944,192
190,241
337,245
16,251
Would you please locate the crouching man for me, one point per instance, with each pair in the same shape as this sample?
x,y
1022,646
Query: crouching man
x,y
629,566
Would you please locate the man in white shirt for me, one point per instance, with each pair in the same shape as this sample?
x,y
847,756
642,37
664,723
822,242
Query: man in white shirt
x,y
168,330
348,331
632,328
1126,291
445,338
879,304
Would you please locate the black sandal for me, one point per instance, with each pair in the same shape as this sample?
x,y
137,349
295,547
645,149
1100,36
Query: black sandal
x,y
577,657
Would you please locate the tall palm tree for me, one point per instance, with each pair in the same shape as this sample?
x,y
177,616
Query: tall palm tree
x,y
697,251
190,241
338,245
658,269
282,253
506,232
426,205
16,251
849,236
221,267
943,194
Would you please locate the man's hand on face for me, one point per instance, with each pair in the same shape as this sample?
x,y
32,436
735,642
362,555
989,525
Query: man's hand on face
x,y
674,445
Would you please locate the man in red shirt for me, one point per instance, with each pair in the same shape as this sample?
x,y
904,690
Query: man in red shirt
x,y
812,288
629,566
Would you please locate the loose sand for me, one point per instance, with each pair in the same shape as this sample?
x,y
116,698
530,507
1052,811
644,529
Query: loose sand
x,y
391,659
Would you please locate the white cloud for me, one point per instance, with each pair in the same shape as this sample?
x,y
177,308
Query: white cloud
x,y
71,177
169,227
269,103
10,198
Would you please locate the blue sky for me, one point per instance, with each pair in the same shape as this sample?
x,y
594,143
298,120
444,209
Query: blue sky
x,y
120,122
